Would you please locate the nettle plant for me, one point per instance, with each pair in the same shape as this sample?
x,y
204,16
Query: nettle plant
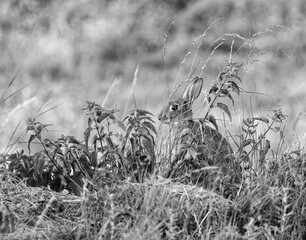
x,y
106,154
197,144
194,155
113,150
254,143
223,87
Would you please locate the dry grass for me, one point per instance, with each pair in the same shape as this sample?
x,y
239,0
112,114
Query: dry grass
x,y
112,182
113,186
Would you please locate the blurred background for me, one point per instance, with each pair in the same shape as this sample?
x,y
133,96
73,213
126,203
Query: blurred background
x,y
77,49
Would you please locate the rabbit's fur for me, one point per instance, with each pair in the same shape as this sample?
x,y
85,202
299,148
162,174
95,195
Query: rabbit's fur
x,y
211,146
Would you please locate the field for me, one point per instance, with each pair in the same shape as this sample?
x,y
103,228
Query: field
x,y
84,154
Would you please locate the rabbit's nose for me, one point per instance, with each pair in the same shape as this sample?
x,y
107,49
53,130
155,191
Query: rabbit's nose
x,y
160,117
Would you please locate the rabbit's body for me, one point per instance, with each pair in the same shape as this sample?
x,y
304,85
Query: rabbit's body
x,y
209,144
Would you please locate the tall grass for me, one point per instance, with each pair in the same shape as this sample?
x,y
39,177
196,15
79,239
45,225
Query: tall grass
x,y
111,184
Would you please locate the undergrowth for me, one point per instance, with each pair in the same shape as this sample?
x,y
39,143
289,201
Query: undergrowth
x,y
122,182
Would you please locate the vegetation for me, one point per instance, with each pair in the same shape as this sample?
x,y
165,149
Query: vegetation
x,y
121,179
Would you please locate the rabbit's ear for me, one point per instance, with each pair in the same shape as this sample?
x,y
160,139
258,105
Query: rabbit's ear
x,y
194,89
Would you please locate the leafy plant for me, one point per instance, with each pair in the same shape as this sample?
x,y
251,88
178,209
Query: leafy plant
x,y
223,87
103,156
254,146
138,144
199,154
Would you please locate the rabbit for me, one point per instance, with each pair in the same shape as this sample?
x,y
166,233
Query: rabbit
x,y
210,146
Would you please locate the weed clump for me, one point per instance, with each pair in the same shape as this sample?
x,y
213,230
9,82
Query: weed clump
x,y
125,180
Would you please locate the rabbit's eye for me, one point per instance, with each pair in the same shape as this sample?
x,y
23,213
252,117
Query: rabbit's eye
x,y
173,107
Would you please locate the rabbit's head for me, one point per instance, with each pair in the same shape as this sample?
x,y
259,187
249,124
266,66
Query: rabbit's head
x,y
181,109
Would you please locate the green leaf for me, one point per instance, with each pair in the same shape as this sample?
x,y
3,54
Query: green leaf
x,y
83,161
72,139
148,145
213,121
247,143
104,116
93,159
224,107
262,119
13,164
144,118
234,87
148,136
224,92
213,89
230,97
150,126
32,137
142,112
94,141
39,165
130,128
26,164
87,135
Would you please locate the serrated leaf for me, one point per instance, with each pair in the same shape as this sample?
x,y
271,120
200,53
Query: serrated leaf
x,y
144,118
26,164
224,107
143,130
213,89
32,137
150,126
262,119
141,112
148,145
234,87
13,156
124,141
247,143
39,165
104,110
148,136
30,128
133,144
130,128
83,160
224,91
89,122
93,159
104,116
126,118
94,141
149,149
86,136
213,121
12,164
230,97
72,139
